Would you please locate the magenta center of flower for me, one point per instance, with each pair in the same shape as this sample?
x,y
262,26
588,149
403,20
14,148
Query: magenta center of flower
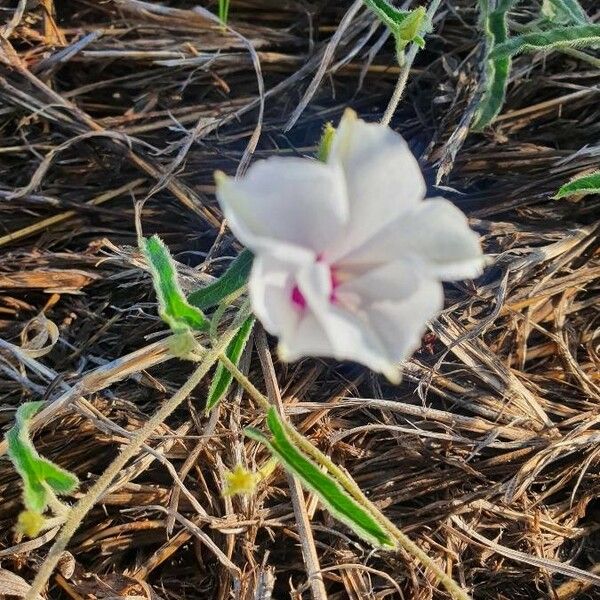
x,y
298,299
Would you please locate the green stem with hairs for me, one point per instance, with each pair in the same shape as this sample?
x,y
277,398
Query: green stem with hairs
x,y
405,67
77,513
351,487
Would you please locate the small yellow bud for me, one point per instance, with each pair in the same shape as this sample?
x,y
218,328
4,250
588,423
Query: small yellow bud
x,y
30,523
240,481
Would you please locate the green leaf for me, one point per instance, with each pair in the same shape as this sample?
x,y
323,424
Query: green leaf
x,y
36,472
410,28
586,184
497,70
224,11
330,492
406,26
223,378
576,36
174,309
564,12
388,14
230,282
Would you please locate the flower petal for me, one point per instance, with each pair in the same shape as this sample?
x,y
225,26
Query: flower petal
x,y
349,333
401,324
436,234
307,339
440,232
395,280
270,287
294,203
383,179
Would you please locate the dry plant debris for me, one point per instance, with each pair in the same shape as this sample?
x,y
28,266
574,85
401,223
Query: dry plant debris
x,y
486,454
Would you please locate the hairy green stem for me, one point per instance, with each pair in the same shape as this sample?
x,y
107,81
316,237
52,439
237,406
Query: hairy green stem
x,y
78,512
352,488
405,70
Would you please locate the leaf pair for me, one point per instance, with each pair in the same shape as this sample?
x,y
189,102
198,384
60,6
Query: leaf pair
x,y
406,26
184,315
564,12
330,490
223,378
228,284
39,475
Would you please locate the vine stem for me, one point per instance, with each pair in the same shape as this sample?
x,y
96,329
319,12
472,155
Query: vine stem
x,y
405,70
455,591
77,513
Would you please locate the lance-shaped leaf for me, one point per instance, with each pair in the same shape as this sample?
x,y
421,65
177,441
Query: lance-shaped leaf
x,y
330,492
38,474
224,11
586,184
391,16
223,378
174,309
230,282
564,12
576,36
497,70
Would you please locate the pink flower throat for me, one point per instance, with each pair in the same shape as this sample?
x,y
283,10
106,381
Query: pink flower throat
x,y
298,299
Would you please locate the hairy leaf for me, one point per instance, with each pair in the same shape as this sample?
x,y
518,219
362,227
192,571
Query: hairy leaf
x,y
330,492
564,12
230,282
405,26
497,70
576,36
223,378
35,471
586,184
174,309
388,14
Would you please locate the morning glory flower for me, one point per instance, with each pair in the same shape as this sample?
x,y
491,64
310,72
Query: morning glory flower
x,y
349,256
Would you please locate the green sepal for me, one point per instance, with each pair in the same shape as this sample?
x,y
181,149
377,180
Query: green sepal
x,y
326,142
406,26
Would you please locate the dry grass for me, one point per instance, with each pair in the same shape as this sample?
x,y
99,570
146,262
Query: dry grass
x,y
487,454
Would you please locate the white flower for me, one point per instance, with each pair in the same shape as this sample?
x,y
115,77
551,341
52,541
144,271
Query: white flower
x,y
349,258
